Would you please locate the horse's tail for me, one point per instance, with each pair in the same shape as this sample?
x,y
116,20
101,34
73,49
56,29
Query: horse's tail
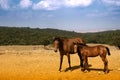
x,y
108,50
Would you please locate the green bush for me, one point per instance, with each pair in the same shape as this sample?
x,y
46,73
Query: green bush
x,y
36,36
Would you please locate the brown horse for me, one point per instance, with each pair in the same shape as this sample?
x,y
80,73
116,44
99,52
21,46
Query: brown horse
x,y
66,47
87,51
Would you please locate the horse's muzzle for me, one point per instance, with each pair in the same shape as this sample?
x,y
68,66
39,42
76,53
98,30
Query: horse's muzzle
x,y
55,50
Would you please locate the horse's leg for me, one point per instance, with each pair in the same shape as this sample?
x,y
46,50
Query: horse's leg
x,y
81,60
104,59
61,60
69,61
106,65
85,64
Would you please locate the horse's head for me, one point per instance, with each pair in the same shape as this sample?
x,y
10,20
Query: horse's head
x,y
75,46
56,44
78,45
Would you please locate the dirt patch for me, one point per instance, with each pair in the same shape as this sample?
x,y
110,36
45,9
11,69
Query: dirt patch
x,y
36,63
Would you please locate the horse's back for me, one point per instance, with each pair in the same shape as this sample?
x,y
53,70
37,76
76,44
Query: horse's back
x,y
79,40
103,49
69,43
92,51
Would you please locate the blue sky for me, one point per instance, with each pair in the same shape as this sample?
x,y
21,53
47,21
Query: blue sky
x,y
72,15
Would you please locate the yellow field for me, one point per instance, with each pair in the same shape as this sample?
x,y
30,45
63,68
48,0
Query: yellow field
x,y
36,63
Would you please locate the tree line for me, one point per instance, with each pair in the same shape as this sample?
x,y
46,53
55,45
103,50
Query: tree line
x,y
37,36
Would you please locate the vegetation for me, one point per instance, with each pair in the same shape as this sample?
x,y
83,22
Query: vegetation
x,y
106,37
30,36
36,36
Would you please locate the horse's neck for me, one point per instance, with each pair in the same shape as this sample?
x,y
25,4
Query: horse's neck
x,y
61,45
83,46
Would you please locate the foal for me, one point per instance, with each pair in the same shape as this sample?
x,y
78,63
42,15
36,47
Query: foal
x,y
87,51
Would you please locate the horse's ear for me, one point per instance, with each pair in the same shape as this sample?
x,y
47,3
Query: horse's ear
x,y
54,38
74,43
81,44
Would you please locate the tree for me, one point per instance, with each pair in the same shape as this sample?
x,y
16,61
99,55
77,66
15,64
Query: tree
x,y
116,41
46,42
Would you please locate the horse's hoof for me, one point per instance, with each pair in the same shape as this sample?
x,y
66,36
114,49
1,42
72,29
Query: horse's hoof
x,y
70,70
59,70
86,71
106,72
82,70
99,72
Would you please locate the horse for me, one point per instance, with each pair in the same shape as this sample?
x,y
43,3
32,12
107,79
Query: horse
x,y
66,47
92,51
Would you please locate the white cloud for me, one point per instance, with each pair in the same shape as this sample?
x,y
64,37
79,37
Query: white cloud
x,y
4,4
55,4
75,3
113,2
52,4
25,3
47,4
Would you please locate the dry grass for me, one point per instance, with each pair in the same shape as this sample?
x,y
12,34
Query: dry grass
x,y
36,63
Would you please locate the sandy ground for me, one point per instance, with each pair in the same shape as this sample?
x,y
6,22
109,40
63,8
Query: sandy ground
x,y
36,63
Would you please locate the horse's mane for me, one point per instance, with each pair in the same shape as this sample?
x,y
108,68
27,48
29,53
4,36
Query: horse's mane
x,y
81,45
59,38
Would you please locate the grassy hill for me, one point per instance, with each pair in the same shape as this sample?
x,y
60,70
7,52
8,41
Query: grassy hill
x,y
37,36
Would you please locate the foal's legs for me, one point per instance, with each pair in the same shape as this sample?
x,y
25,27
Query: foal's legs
x,y
106,66
61,60
81,59
104,59
85,63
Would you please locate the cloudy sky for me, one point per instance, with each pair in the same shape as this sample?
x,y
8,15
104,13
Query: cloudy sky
x,y
72,15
